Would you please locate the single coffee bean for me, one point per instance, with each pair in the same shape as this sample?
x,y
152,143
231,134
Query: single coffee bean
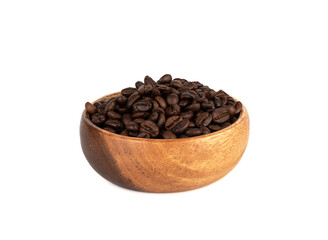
x,y
125,132
172,99
204,119
224,100
139,84
238,107
161,102
126,118
114,115
172,121
143,135
90,108
150,81
221,93
140,115
201,98
210,94
121,100
208,106
149,127
231,110
132,99
133,134
195,107
98,118
186,96
173,110
141,90
173,90
220,115
122,110
154,116
190,85
161,120
184,103
198,84
226,124
205,130
155,105
142,106
108,106
191,132
189,115
113,123
192,124
109,129
165,90
217,102
139,120
127,92
181,126
176,84
167,78
214,128
168,135
132,126
155,92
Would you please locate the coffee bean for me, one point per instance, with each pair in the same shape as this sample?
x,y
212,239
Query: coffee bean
x,y
127,92
189,115
161,120
161,102
226,124
214,127
122,110
172,99
113,123
150,81
139,84
154,116
132,126
143,135
238,107
167,78
132,99
186,96
224,100
217,102
140,115
168,135
191,132
176,84
172,110
121,100
172,121
183,136
114,115
126,118
139,120
125,132
90,108
195,107
184,103
210,94
204,119
98,118
109,129
165,90
233,119
231,110
181,126
133,134
205,130
208,106
149,127
192,124
220,115
142,106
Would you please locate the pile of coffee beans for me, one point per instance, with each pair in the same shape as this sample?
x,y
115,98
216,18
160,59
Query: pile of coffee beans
x,y
167,108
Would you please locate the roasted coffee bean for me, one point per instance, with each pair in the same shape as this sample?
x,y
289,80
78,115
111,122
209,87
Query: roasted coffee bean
x,y
168,135
142,106
154,116
165,109
220,115
172,99
113,123
132,126
98,118
161,120
121,100
195,107
205,130
214,128
132,99
109,129
191,132
238,107
127,92
172,110
150,81
204,119
189,115
161,102
149,127
167,78
114,115
90,108
126,118
143,135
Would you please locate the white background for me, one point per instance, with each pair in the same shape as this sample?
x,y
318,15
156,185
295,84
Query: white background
x,y
56,55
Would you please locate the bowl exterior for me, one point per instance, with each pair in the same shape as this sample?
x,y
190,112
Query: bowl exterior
x,y
164,165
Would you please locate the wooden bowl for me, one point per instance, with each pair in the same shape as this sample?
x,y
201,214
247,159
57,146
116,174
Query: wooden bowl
x,y
164,165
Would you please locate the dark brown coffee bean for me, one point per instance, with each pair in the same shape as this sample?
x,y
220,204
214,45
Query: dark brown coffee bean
x,y
167,78
238,107
210,94
127,92
132,126
191,132
125,132
154,116
195,107
205,130
143,135
184,103
172,121
161,120
113,123
161,102
109,129
204,119
176,84
234,119
172,110
126,118
98,118
214,128
165,90
231,110
168,135
150,81
208,106
140,115
149,127
155,92
121,100
226,124
114,115
108,106
186,96
155,105
122,110
198,84
190,85
90,108
142,106
201,98
221,93
220,115
181,126
217,102
192,124
224,100
139,84
133,134
132,99
173,90
139,120
189,115
172,99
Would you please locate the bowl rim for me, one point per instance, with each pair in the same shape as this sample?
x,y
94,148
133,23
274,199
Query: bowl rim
x,y
87,120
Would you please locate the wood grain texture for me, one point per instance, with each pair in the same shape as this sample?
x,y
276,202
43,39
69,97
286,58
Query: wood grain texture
x,y
164,165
